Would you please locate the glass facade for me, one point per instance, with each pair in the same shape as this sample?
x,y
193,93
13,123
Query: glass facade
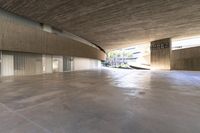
x,y
18,63
27,64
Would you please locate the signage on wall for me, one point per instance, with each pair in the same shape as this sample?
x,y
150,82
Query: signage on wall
x,y
160,46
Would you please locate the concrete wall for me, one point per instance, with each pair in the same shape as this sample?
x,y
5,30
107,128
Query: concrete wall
x,y
186,59
47,61
85,64
24,36
7,67
160,54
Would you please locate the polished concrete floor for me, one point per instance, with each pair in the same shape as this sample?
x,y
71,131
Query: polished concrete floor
x,y
103,101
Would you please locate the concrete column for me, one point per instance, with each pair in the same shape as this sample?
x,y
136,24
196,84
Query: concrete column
x,y
160,54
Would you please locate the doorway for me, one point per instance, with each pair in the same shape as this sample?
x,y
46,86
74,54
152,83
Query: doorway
x,y
57,64
67,64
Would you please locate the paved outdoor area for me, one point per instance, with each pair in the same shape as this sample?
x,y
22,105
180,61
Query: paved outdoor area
x,y
101,101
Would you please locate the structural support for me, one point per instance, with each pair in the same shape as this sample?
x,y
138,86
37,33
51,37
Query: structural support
x,y
160,54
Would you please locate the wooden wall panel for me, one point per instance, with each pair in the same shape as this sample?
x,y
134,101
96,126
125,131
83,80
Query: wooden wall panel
x,y
58,45
21,38
160,54
15,36
186,59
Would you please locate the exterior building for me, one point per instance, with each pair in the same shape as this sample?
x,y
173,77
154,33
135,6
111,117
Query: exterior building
x,y
138,56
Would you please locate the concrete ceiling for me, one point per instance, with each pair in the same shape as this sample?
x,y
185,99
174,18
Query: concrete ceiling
x,y
114,23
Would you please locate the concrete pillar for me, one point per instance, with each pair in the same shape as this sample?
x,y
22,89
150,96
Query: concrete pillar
x,y
160,54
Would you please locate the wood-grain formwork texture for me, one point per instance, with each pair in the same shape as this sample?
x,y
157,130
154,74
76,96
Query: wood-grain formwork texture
x,y
186,59
114,23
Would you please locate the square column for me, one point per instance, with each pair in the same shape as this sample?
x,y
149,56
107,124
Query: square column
x,y
160,54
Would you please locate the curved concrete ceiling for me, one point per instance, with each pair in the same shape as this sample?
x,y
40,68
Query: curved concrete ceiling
x,y
114,23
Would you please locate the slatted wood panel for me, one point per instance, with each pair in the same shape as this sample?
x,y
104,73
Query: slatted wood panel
x,y
160,54
186,59
15,36
114,23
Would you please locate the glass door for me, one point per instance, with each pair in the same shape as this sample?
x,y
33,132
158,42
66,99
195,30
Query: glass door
x,y
67,64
